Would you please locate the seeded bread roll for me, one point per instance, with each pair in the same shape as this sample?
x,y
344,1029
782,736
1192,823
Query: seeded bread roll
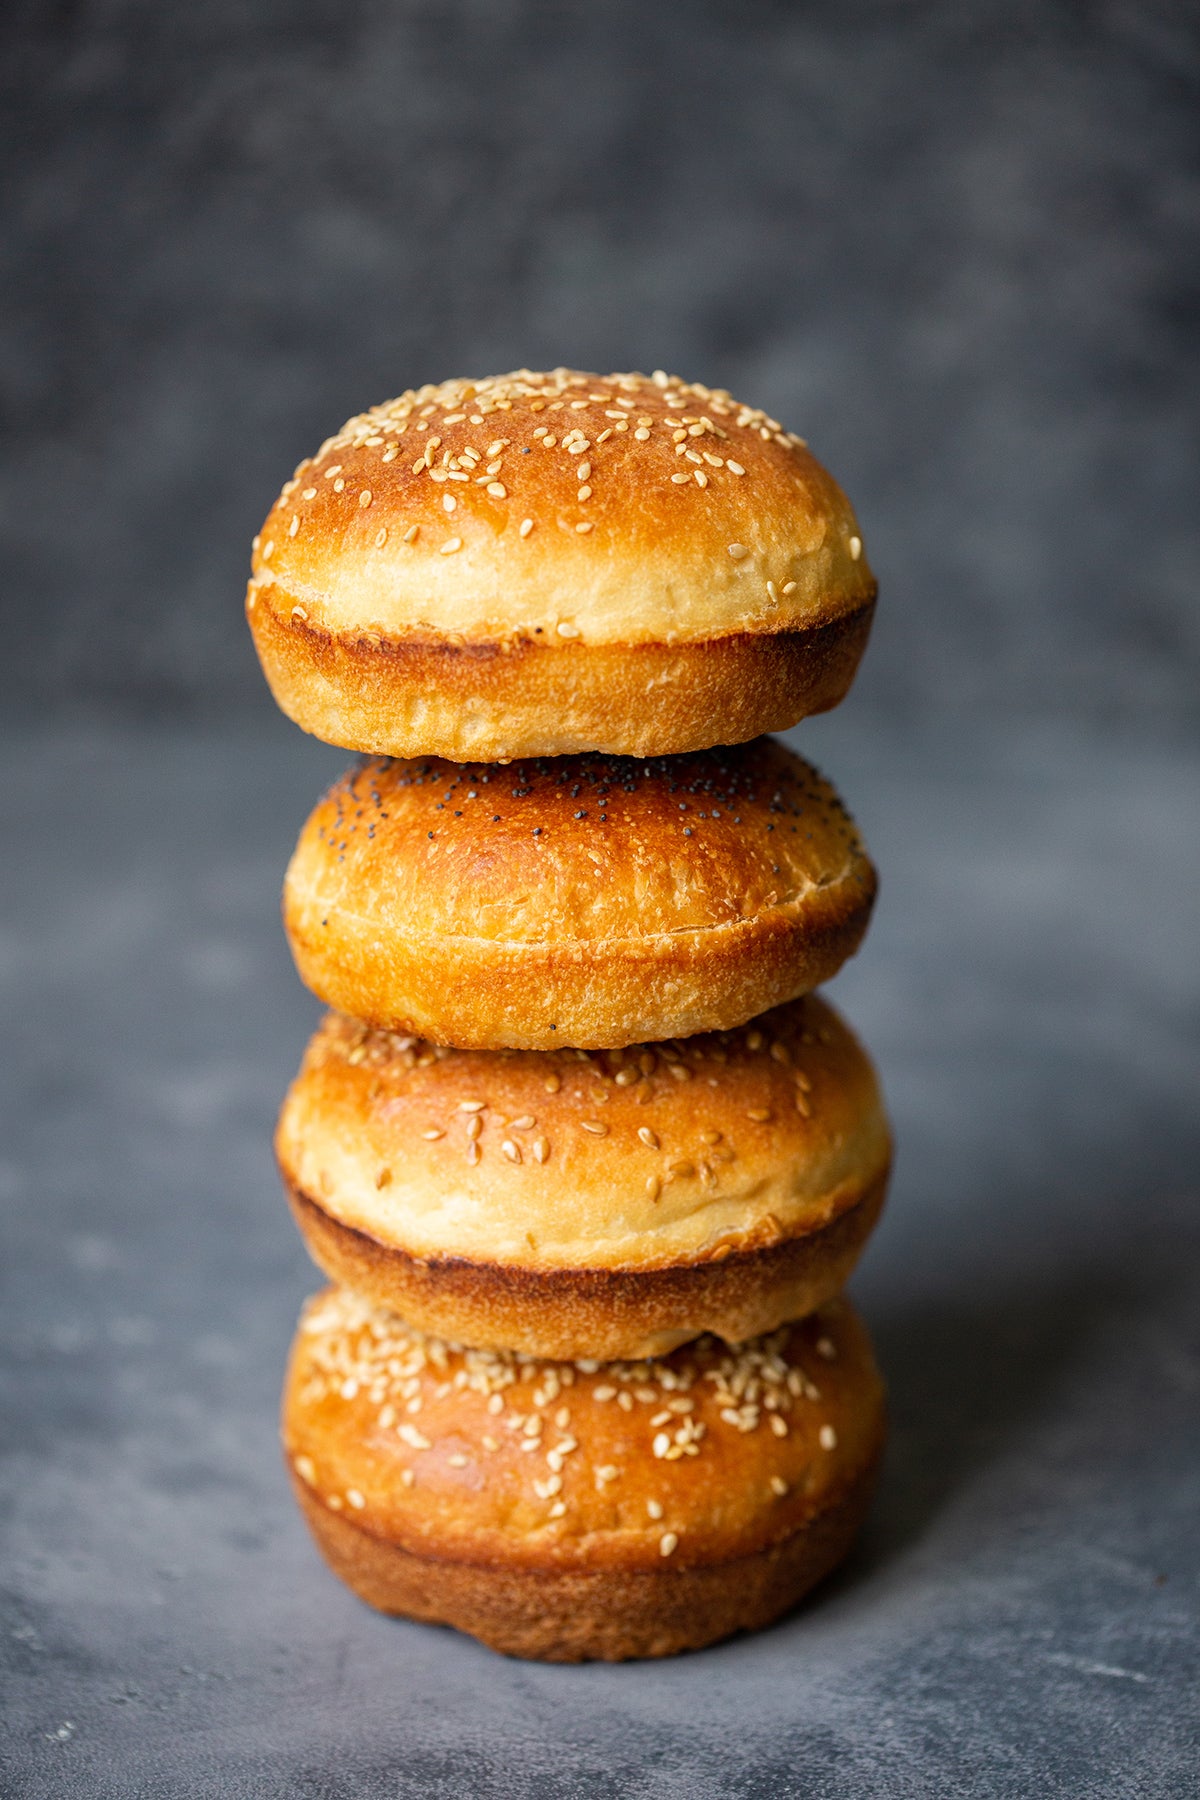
x,y
591,901
539,564
572,1204
570,1511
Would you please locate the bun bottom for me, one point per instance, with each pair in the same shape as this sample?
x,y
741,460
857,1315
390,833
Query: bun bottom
x,y
602,1313
591,1615
490,702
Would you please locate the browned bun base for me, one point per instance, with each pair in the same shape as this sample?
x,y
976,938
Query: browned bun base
x,y
590,901
520,697
598,1615
601,1313
581,1509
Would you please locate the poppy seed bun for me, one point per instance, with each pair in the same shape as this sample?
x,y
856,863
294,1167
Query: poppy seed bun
x,y
591,901
571,1510
538,564
610,1204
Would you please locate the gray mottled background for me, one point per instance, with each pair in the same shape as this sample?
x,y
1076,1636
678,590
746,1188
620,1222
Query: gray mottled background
x,y
955,245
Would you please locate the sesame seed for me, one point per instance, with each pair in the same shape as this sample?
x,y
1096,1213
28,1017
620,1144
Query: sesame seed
x,y
735,468
449,502
450,546
668,1542
339,484
381,537
654,1508
826,1348
567,628
364,499
827,1438
772,590
738,552
779,1486
855,549
789,587
653,1187
681,478
552,1082
309,494
641,434
458,1460
474,1127
268,550
407,1478
779,1425
511,1150
384,1178
498,490
661,1444
473,1154
355,1498
541,1149
584,525
432,1135
305,1469
585,492
760,1114
525,1123
700,478
413,1437
525,528
596,1126
583,471
299,616
294,527
648,1137
410,536
604,1392
472,1106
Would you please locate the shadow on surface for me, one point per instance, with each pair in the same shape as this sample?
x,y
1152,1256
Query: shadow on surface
x,y
968,1384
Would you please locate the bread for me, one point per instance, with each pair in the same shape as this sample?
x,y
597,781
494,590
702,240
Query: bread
x,y
606,1205
569,1511
590,901
539,564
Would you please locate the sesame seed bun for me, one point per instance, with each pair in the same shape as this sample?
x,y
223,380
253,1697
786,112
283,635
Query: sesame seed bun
x,y
570,1511
538,564
595,901
571,1204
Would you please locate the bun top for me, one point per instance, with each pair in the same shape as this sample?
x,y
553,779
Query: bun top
x,y
634,1158
480,1456
607,509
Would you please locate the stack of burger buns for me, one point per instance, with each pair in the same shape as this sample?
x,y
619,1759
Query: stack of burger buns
x,y
586,1159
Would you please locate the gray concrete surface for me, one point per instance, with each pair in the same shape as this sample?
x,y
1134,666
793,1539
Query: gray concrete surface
x,y
954,245
1021,1616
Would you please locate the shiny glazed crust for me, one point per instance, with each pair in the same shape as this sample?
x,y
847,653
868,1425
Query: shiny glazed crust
x,y
593,901
549,563
599,1204
568,1510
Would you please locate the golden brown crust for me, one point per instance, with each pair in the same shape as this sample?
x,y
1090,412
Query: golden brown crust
x,y
595,901
601,1204
617,1492
409,581
525,697
601,1313
582,1615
